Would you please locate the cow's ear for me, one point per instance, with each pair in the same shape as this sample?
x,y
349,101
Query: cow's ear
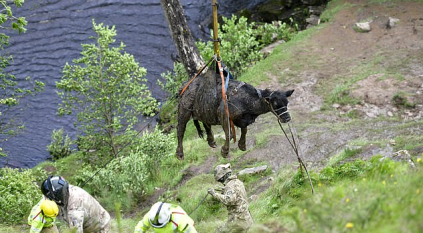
x,y
289,93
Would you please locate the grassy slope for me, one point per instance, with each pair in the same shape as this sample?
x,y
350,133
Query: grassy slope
x,y
372,196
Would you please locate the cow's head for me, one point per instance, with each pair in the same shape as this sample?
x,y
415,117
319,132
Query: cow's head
x,y
278,101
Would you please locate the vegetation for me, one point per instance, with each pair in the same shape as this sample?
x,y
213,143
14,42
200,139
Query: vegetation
x,y
358,188
18,195
60,146
107,90
242,42
11,92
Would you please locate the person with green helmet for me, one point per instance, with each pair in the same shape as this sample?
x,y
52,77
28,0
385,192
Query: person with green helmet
x,y
166,218
234,197
43,216
78,208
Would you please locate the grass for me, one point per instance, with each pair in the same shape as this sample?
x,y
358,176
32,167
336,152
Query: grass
x,y
356,197
372,196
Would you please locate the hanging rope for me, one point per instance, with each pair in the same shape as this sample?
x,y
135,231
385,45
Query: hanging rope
x,y
293,144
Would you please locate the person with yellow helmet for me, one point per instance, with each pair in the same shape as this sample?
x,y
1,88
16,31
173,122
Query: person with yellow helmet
x,y
43,216
166,218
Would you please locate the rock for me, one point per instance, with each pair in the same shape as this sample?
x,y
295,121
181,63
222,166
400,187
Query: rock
x,y
403,155
362,27
392,22
253,170
268,49
316,10
313,20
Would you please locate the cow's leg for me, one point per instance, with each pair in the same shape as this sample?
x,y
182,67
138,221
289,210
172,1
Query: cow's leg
x,y
225,124
210,137
241,142
198,127
183,118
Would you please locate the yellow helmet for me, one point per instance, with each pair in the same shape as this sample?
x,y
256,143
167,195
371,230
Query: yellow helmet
x,y
49,208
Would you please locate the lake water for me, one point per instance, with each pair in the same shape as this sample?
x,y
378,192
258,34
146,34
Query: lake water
x,y
55,31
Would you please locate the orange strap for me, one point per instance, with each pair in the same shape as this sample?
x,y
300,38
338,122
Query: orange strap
x,y
198,73
225,102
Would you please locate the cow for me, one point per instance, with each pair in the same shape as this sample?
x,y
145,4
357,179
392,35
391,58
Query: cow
x,y
202,101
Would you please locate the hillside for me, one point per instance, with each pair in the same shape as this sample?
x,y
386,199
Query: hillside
x,y
346,84
358,100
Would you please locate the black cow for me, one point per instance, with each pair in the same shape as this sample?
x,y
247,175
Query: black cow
x,y
202,100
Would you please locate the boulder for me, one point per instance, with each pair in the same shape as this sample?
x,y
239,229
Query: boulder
x,y
253,170
362,27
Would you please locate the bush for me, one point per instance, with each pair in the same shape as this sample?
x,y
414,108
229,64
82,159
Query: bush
x,y
157,146
128,174
60,145
270,32
174,79
239,49
18,194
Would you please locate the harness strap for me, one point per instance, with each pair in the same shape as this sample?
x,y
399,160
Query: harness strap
x,y
225,102
234,91
199,72
259,93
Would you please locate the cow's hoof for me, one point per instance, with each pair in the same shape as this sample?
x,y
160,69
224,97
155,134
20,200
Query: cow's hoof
x,y
242,146
180,156
212,144
225,153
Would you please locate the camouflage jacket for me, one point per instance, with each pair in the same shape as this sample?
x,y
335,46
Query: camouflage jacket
x,y
234,197
84,213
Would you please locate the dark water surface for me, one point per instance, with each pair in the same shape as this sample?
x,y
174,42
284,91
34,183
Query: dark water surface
x,y
55,32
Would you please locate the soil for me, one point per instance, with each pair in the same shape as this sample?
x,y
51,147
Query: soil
x,y
338,48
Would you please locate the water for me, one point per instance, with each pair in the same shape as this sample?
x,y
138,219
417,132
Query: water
x,y
55,31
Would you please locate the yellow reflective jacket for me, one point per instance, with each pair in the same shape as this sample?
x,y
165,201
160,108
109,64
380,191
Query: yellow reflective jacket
x,y
179,222
37,220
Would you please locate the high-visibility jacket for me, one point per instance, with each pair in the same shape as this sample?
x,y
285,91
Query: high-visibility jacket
x,y
179,222
37,220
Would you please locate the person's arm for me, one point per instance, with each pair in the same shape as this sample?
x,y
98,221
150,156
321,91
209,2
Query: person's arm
x,y
227,198
188,229
143,225
36,225
76,220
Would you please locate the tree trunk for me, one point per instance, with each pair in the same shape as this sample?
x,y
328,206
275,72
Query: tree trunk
x,y
182,37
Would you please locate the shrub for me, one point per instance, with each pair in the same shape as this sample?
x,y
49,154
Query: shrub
x,y
128,174
173,79
157,146
60,145
269,32
239,49
18,194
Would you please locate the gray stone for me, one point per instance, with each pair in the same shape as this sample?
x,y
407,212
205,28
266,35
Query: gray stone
x,y
392,22
268,49
362,27
252,170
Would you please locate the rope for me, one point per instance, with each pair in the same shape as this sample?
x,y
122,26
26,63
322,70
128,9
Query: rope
x,y
201,202
293,145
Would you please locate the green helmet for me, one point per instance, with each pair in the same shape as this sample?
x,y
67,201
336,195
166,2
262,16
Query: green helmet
x,y
221,170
